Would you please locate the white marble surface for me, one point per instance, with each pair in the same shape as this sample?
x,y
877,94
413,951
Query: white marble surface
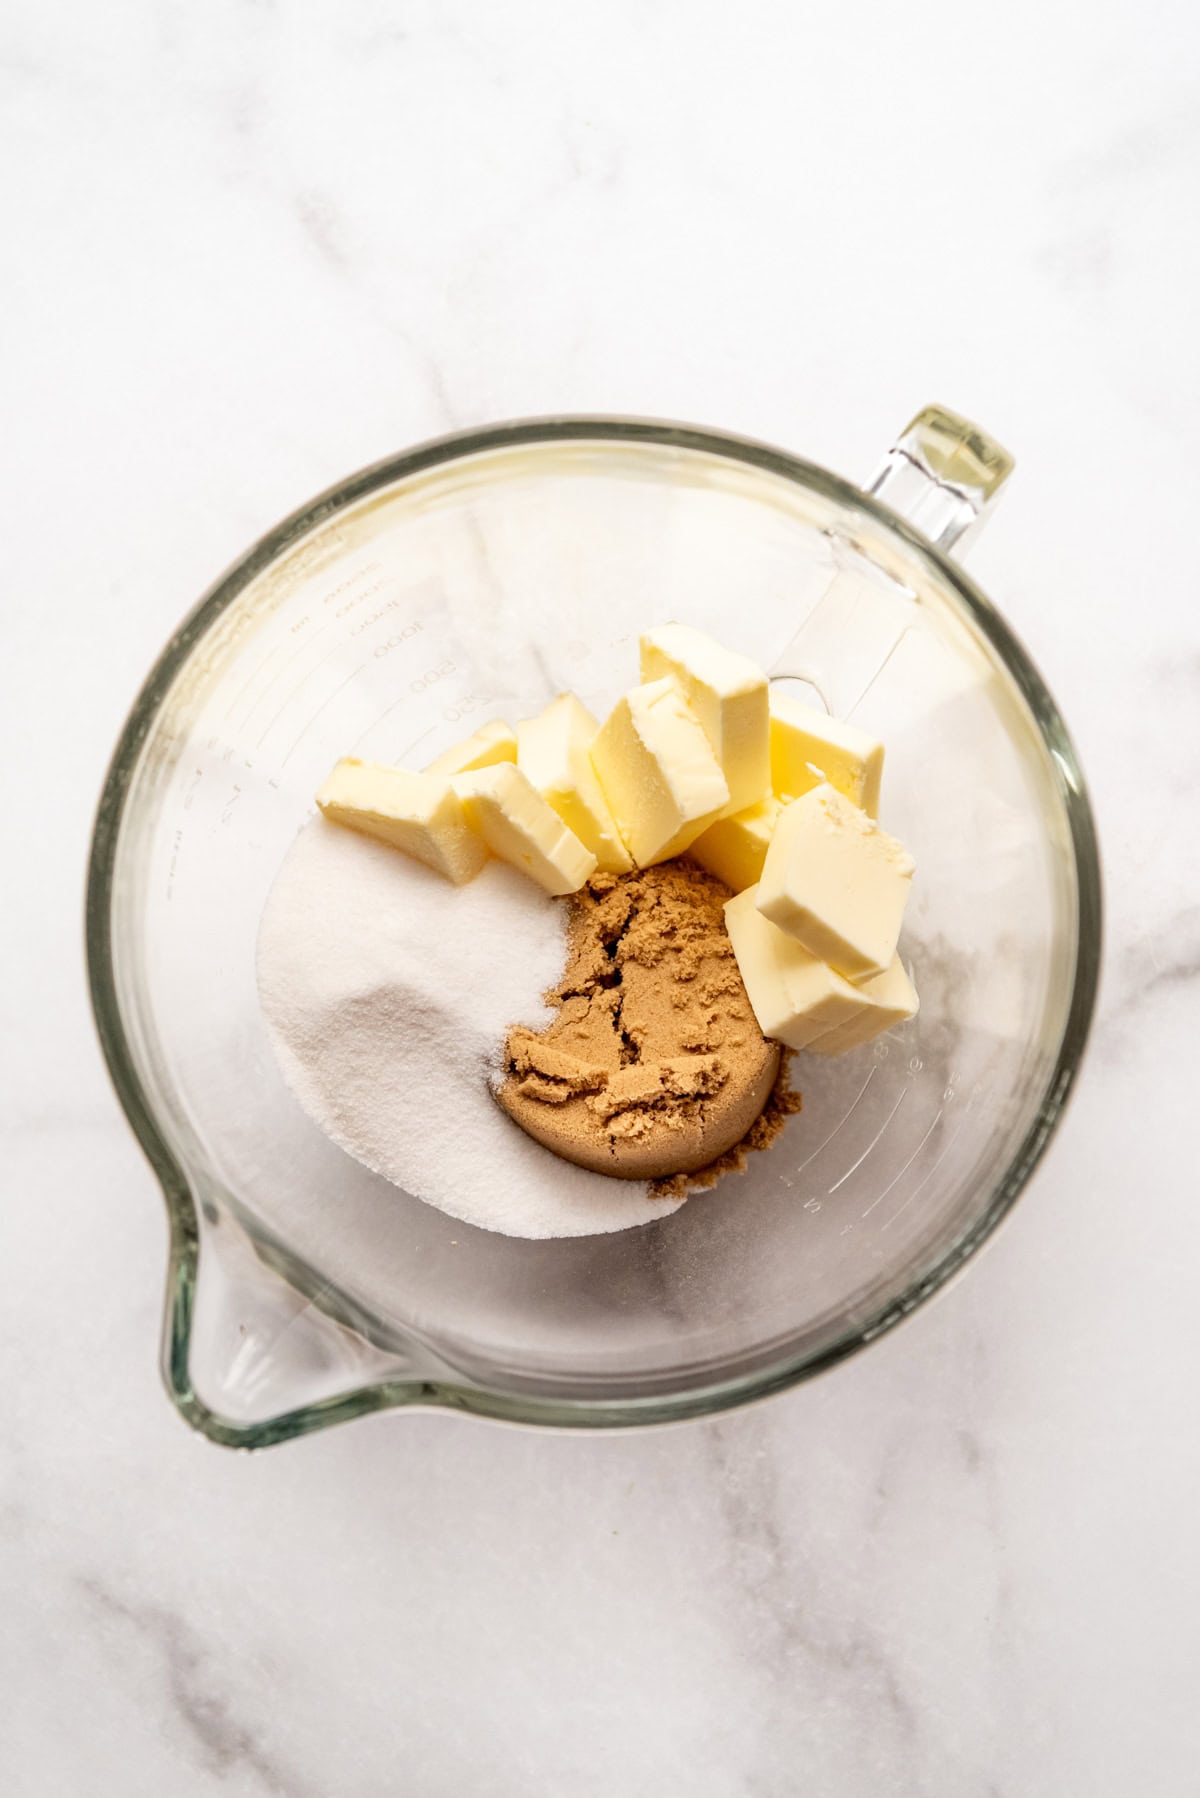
x,y
247,248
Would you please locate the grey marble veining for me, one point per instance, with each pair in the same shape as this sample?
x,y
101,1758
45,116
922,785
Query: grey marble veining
x,y
193,1688
248,248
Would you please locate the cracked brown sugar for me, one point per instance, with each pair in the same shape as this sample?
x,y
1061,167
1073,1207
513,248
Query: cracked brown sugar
x,y
653,1066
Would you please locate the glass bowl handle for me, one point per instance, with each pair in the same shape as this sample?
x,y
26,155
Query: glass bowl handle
x,y
942,475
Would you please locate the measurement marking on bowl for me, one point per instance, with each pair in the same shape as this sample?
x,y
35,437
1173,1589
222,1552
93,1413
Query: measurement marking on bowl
x,y
883,1195
304,678
386,713
925,1181
299,650
250,680
887,1120
308,636
283,708
845,1119
340,688
416,743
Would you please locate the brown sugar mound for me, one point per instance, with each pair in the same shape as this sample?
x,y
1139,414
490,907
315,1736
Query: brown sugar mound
x,y
653,1067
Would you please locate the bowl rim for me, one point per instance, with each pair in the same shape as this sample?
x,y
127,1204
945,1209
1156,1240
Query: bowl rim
x,y
183,1268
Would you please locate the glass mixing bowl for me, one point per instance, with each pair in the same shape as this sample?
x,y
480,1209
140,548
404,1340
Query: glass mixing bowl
x,y
478,576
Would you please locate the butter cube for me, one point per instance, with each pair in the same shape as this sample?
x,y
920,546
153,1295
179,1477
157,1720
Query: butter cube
x,y
418,813
517,825
493,742
808,747
836,882
795,997
886,999
553,749
728,695
734,849
658,772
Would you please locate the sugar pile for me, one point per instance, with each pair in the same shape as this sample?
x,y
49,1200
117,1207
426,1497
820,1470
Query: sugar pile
x,y
388,995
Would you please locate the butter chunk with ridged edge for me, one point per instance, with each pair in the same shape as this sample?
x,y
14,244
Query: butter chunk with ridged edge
x,y
885,1000
728,694
554,750
517,825
493,742
734,849
417,813
836,882
795,997
808,747
658,772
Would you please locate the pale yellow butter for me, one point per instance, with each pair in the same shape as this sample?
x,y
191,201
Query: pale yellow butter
x,y
728,695
517,825
794,996
885,999
554,750
418,813
734,849
836,882
658,771
808,747
493,742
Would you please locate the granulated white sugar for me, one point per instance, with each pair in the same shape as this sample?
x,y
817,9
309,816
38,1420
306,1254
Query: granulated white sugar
x,y
388,995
